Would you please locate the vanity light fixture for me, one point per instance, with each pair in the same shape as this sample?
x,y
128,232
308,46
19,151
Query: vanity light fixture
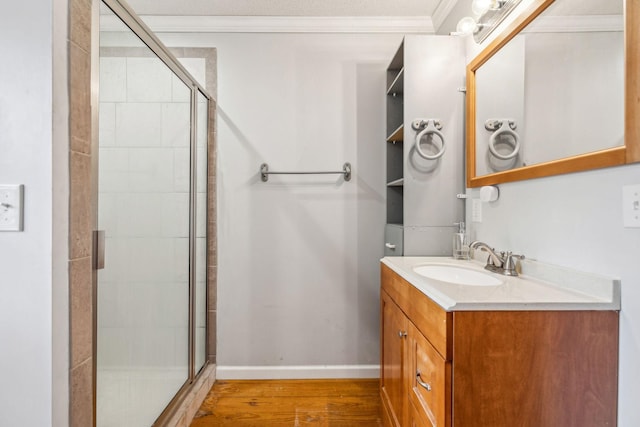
x,y
489,14
480,7
466,26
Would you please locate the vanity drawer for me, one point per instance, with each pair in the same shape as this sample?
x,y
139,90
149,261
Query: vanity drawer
x,y
431,320
429,377
397,288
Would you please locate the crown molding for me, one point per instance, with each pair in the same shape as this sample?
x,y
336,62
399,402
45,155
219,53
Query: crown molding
x,y
576,24
443,10
280,24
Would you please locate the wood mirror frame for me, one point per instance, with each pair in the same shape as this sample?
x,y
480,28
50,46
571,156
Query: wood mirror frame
x,y
627,153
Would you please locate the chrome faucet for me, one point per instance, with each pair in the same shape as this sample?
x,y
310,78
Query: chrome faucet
x,y
503,263
494,259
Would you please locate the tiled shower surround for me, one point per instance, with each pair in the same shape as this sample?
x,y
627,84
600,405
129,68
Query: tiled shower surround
x,y
81,127
144,134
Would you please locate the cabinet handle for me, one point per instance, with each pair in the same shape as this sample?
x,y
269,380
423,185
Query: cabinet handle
x,y
402,334
426,386
390,246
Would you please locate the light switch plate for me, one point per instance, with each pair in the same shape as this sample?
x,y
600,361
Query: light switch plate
x,y
11,207
631,205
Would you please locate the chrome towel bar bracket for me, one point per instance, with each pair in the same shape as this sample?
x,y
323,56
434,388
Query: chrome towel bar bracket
x,y
265,172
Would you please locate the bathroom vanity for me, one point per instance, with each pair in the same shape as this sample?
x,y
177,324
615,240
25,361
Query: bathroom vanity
x,y
523,352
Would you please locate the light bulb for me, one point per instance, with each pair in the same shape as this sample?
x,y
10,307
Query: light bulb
x,y
479,7
466,25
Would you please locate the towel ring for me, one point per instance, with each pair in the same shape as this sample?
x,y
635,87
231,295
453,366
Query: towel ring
x,y
503,128
430,129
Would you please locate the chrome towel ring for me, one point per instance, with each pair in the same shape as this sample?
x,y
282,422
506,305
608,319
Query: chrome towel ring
x,y
504,131
428,127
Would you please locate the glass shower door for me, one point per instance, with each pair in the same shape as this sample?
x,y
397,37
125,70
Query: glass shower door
x,y
144,207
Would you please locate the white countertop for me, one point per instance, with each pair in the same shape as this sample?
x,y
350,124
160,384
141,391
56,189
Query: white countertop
x,y
540,287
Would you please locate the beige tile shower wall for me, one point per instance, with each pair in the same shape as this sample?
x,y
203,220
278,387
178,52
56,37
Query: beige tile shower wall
x,y
144,208
80,215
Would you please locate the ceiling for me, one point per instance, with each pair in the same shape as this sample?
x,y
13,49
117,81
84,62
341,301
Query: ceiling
x,y
286,7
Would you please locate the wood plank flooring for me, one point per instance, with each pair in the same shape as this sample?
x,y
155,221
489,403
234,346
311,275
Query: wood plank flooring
x,y
279,403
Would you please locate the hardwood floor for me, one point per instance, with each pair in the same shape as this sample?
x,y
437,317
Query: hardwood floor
x,y
330,403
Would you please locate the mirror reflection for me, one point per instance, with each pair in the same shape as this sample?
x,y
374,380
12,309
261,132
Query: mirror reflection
x,y
555,90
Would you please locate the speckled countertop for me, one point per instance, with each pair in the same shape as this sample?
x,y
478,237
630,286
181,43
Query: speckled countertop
x,y
539,287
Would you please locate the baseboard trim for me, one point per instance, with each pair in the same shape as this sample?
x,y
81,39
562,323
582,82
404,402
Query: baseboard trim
x,y
297,372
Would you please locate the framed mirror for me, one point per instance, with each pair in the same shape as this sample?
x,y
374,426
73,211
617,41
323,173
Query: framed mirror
x,y
557,92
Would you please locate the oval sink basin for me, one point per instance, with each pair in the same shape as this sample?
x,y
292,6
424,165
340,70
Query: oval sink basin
x,y
457,275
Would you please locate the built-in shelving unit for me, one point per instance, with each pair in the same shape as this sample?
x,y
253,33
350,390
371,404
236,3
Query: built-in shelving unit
x,y
395,138
422,80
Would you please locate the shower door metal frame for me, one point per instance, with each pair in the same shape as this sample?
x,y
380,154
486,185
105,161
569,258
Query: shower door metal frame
x,y
144,33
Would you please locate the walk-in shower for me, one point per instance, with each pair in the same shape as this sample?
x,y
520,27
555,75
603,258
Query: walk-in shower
x,y
151,193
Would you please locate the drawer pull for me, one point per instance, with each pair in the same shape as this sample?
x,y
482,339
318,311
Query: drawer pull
x,y
390,246
426,386
402,334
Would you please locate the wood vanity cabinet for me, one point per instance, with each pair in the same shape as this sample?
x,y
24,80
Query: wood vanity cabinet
x,y
494,368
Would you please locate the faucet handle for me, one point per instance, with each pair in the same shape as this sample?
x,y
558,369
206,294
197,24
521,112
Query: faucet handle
x,y
510,263
490,260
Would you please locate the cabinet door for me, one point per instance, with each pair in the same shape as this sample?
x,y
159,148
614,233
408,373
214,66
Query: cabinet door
x,y
418,418
393,342
429,380
393,240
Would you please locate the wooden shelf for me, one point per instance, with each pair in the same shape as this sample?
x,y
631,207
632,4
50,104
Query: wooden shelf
x,y
396,183
396,135
397,86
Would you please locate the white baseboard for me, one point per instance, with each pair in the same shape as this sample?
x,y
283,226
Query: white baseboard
x,y
297,372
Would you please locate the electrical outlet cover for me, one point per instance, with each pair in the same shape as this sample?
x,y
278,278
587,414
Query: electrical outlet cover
x,y
631,205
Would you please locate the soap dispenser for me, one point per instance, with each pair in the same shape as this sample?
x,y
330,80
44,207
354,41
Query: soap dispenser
x,y
460,242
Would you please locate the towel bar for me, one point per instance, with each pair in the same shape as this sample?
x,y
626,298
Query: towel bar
x,y
346,171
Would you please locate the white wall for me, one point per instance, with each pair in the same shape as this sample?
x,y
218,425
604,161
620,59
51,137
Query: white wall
x,y
298,277
26,257
60,235
575,221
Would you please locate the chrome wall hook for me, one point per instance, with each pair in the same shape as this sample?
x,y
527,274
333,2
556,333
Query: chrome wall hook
x,y
493,125
421,124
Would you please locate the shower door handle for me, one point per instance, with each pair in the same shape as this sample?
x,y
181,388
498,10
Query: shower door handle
x,y
98,249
